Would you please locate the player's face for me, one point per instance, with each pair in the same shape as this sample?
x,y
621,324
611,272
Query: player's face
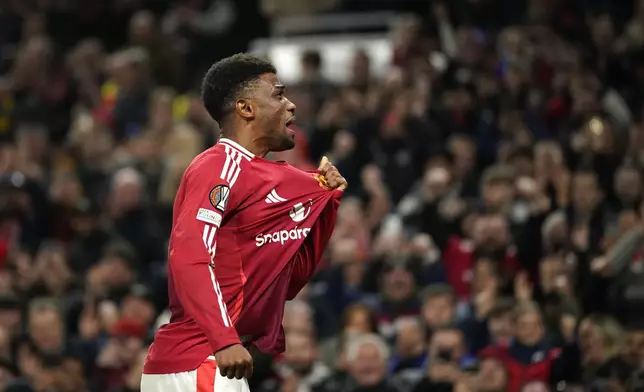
x,y
276,113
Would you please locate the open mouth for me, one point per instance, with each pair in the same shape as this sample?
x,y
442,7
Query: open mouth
x,y
290,121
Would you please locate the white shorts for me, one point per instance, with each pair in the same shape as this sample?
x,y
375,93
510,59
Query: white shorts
x,y
206,378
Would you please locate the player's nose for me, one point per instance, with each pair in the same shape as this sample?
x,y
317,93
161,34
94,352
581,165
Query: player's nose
x,y
290,106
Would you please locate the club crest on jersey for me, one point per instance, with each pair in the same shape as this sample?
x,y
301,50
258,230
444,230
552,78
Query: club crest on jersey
x,y
300,211
321,181
219,197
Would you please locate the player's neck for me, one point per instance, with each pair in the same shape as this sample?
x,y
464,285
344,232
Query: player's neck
x,y
248,143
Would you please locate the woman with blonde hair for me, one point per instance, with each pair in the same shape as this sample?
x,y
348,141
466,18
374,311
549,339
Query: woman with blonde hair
x,y
601,341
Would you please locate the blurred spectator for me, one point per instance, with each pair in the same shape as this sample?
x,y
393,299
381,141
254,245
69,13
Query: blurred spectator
x,y
367,357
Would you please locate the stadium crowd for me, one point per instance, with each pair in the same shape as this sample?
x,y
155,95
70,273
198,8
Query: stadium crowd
x,y
491,239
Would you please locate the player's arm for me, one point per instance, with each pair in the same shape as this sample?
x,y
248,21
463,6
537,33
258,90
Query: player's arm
x,y
194,244
205,205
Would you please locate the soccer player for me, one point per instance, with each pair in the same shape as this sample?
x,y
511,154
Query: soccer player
x,y
247,235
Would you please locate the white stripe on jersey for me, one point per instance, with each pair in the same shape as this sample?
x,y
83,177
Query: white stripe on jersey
x,y
276,196
238,165
247,154
270,199
208,238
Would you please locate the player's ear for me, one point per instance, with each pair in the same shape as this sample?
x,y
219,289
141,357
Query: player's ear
x,y
245,108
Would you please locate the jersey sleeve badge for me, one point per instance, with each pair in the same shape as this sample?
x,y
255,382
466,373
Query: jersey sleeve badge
x,y
219,197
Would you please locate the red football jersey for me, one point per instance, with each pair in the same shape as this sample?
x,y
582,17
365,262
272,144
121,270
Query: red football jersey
x,y
247,235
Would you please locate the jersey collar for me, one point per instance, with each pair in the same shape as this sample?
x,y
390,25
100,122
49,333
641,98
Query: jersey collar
x,y
237,147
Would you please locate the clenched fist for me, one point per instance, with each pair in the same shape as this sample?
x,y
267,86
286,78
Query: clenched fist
x,y
331,174
234,362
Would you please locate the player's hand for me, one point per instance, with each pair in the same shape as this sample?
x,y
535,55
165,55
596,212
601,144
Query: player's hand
x,y
331,174
234,362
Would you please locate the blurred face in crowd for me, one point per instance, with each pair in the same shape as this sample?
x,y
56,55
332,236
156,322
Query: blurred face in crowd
x,y
585,192
129,69
27,360
46,329
491,377
524,165
628,184
603,32
298,318
438,311
129,348
497,195
369,367
550,269
464,153
491,232
32,142
555,234
447,341
592,343
345,251
457,99
535,386
116,271
634,347
142,28
127,192
360,68
548,158
398,284
23,274
436,182
66,190
627,220
89,55
161,110
84,224
71,377
410,339
53,270
301,352
485,276
97,148
65,377
529,329
513,80
10,320
358,320
486,86
501,328
33,59
138,309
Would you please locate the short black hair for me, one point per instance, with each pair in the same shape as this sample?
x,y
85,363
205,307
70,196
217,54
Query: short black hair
x,y
227,78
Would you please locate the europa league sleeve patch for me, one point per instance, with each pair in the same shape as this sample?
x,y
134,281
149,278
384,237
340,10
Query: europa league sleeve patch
x,y
219,197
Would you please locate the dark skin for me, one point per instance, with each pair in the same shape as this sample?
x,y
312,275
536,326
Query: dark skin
x,y
260,120
260,123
